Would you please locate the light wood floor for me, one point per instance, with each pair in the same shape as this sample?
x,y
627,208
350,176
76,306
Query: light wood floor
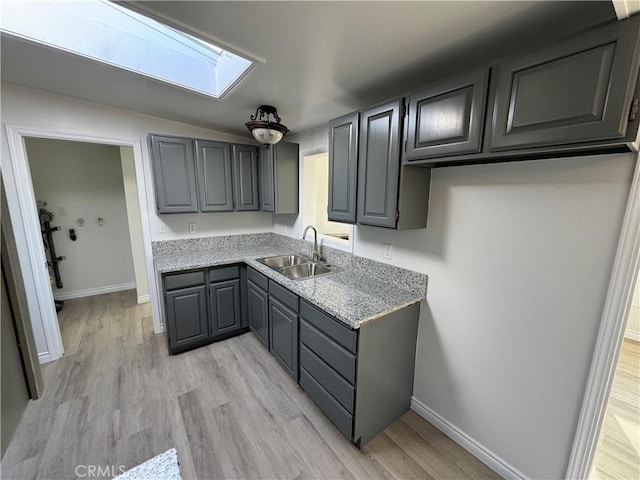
x,y
117,398
618,453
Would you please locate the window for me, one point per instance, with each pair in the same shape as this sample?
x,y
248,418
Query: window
x,y
117,36
315,199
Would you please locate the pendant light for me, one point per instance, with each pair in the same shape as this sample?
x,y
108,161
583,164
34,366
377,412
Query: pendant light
x,y
266,131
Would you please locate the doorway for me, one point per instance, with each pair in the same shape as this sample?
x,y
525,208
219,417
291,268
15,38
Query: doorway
x,y
617,455
87,201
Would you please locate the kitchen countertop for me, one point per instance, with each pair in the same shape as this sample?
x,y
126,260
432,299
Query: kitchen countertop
x,y
353,297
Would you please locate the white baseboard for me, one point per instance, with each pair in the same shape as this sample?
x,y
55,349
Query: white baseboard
x,y
89,292
632,335
44,357
482,453
144,298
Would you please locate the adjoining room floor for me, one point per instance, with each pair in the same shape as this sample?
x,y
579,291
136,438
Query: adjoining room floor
x,y
618,453
117,398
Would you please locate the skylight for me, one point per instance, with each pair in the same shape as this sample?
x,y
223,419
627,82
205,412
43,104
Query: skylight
x,y
106,32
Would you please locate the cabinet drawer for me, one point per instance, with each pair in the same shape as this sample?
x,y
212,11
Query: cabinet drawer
x,y
284,295
333,354
182,280
337,386
343,335
331,408
257,278
224,273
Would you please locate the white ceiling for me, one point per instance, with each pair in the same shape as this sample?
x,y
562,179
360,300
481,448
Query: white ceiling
x,y
321,59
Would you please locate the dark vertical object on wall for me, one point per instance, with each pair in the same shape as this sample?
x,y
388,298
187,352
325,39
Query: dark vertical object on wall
x,y
45,218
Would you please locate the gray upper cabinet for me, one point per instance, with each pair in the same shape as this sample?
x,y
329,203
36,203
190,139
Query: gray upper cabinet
x,y
447,118
215,181
343,168
279,178
267,180
379,164
174,174
577,91
245,173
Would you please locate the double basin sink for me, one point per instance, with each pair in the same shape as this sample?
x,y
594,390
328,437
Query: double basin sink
x,y
298,267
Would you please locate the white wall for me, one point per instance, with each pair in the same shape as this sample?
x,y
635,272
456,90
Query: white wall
x,y
84,180
519,257
135,223
34,109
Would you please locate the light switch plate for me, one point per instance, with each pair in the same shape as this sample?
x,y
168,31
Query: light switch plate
x,y
387,250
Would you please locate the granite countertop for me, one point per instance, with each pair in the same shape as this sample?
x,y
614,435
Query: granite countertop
x,y
353,296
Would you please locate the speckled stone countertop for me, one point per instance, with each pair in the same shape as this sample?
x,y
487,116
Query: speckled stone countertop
x,y
366,290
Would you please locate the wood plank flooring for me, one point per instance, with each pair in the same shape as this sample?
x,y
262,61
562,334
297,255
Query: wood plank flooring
x,y
117,398
618,453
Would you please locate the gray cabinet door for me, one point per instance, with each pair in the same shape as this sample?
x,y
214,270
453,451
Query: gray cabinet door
x,y
379,164
283,335
343,168
577,91
267,180
258,310
245,171
174,174
225,307
447,118
215,184
187,316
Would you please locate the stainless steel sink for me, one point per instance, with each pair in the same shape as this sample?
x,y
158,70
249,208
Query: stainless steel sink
x,y
298,267
306,270
283,261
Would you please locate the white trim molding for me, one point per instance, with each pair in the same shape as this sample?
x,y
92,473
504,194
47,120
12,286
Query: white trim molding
x,y
144,299
475,448
632,335
625,8
609,341
24,212
90,292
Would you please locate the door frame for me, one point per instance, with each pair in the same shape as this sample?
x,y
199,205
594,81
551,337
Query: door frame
x,y
610,336
24,212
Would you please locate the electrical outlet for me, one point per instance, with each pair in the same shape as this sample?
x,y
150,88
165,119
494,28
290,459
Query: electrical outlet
x,y
61,212
192,228
162,228
387,250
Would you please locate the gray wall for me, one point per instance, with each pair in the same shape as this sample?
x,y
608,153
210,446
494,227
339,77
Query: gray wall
x,y
519,257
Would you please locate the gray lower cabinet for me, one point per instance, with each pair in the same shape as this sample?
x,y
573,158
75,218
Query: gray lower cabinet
x,y
224,298
447,118
577,91
343,168
279,165
283,327
258,305
361,379
245,174
203,306
215,177
174,174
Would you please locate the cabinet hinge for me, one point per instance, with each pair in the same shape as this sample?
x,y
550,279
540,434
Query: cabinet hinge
x,y
635,106
405,145
405,110
397,215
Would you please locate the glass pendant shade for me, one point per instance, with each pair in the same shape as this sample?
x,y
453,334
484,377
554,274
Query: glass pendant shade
x,y
266,131
266,135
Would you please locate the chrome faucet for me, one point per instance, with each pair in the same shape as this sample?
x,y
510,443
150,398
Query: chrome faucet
x,y
316,253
